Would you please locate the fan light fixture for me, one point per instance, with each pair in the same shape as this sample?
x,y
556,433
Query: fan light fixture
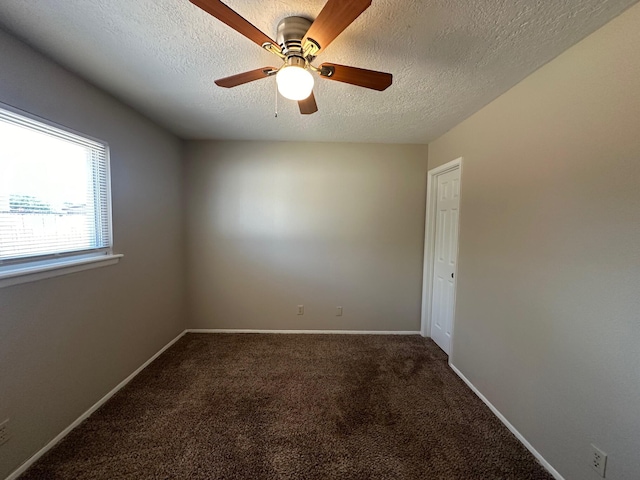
x,y
298,42
294,82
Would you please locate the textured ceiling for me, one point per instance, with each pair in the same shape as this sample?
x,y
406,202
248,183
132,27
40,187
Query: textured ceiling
x,y
448,58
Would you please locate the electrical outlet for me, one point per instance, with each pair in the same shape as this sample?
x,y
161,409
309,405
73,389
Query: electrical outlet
x,y
4,432
598,460
338,311
300,309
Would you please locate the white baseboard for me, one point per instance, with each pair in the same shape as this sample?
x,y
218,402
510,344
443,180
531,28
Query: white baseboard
x,y
506,422
332,332
22,468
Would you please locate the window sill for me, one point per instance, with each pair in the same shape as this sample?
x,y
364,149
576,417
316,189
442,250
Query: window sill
x,y
54,268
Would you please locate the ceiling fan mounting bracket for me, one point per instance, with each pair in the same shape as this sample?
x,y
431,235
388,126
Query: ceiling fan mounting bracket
x,y
310,48
270,47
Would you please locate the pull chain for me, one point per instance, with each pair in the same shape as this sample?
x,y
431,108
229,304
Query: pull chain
x,y
276,99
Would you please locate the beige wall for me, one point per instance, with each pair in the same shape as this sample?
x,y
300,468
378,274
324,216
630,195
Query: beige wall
x,y
275,225
548,308
67,341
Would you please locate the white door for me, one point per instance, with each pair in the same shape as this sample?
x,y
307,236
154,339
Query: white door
x,y
444,258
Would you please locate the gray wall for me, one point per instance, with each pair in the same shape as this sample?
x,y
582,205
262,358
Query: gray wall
x,y
67,341
275,225
547,323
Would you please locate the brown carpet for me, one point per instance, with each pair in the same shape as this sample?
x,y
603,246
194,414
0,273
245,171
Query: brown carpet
x,y
244,406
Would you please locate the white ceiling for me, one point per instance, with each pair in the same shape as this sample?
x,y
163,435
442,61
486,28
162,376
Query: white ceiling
x,y
449,58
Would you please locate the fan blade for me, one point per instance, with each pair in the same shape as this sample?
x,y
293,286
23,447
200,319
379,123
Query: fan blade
x,y
356,76
333,19
308,105
246,77
234,20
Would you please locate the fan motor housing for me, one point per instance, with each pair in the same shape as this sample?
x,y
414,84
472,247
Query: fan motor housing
x,y
291,31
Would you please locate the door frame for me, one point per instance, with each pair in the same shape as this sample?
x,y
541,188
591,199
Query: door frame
x,y
429,247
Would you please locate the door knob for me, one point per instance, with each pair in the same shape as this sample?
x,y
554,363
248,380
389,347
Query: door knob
x,y
452,275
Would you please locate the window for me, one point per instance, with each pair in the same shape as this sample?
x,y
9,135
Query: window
x,y
54,197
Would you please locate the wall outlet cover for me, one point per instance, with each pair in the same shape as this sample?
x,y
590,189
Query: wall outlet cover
x,y
4,432
598,460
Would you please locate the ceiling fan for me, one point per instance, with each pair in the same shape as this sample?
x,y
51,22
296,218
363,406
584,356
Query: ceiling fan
x,y
299,41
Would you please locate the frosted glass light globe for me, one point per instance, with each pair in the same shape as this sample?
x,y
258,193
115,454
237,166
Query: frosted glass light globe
x,y
294,83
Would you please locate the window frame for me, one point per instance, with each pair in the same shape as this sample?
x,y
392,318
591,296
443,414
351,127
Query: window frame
x,y
36,267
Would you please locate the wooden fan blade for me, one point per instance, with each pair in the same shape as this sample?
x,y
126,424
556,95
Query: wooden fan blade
x,y
308,105
356,76
333,19
246,77
234,20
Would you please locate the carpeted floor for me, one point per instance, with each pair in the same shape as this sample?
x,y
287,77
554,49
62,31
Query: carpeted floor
x,y
244,406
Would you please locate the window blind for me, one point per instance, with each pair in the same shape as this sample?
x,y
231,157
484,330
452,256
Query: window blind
x,y
54,191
